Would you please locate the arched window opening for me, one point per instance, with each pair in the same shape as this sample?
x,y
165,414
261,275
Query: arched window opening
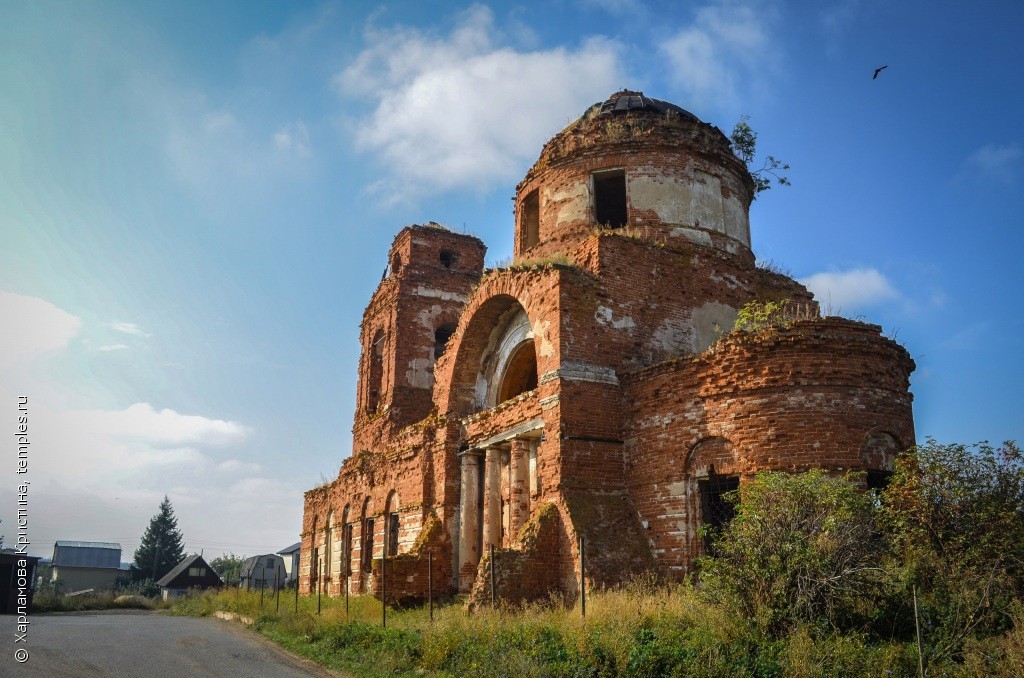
x,y
346,543
328,551
396,263
393,524
520,372
367,538
447,258
314,556
376,375
441,336
717,506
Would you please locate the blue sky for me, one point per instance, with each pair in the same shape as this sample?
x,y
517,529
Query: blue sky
x,y
196,201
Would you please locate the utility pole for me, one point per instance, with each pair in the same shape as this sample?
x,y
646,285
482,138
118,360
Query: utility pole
x,y
156,552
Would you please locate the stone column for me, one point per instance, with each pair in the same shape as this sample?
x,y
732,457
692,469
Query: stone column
x,y
492,498
469,518
519,491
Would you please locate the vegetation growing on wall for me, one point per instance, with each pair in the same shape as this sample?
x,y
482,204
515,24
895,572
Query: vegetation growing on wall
x,y
744,145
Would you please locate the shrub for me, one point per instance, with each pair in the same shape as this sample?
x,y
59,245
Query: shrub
x,y
802,548
955,517
756,316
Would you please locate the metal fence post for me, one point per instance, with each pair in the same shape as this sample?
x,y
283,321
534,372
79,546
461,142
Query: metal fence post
x,y
493,597
917,627
296,593
277,589
583,578
263,582
430,584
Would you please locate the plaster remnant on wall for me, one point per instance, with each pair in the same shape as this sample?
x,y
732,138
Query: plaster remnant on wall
x,y
729,281
737,221
576,203
544,347
710,322
578,371
549,402
696,236
706,206
440,294
672,337
603,315
667,196
428,317
420,373
677,489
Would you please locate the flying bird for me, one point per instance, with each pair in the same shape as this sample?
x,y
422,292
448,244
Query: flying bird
x,y
879,70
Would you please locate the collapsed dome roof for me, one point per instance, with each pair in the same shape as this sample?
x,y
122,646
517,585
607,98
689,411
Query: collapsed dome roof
x,y
626,101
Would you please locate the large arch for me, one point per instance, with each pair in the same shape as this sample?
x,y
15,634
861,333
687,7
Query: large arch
x,y
498,336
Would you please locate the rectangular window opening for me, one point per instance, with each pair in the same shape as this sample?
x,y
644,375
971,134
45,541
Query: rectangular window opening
x,y
610,198
531,219
716,510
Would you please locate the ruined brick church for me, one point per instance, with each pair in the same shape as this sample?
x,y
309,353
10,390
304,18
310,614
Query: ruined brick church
x,y
592,387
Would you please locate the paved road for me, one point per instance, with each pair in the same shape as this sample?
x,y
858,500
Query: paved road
x,y
147,644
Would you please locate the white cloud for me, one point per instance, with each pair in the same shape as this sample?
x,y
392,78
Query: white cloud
x,y
294,138
992,162
238,466
462,110
618,7
130,328
728,48
112,347
31,327
161,428
850,290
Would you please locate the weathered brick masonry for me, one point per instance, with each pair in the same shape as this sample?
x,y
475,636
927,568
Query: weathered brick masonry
x,y
593,387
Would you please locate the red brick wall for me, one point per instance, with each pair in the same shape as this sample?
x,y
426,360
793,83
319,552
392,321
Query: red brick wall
x,y
811,395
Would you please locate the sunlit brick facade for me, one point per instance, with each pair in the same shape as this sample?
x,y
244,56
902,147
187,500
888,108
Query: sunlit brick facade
x,y
591,388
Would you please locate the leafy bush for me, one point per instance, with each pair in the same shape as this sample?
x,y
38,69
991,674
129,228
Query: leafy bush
x,y
802,548
756,316
955,517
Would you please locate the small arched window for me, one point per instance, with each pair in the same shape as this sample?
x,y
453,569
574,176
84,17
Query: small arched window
x,y
392,525
447,258
530,219
346,543
376,372
367,537
441,336
328,550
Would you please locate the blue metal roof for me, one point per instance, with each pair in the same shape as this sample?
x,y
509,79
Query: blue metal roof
x,y
89,544
86,554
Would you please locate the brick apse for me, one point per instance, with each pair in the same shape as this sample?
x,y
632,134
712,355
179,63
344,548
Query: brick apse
x,y
592,387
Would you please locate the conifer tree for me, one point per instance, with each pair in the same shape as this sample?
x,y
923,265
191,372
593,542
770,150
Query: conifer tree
x,y
161,548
